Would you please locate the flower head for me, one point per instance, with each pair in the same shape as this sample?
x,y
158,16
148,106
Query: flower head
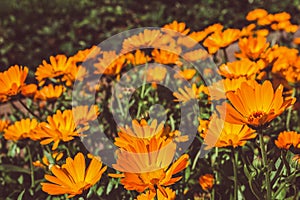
x,y
12,81
20,129
59,127
73,178
221,39
288,138
206,181
256,105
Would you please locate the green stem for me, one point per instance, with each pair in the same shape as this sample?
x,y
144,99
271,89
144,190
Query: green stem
x,y
31,167
265,163
288,118
234,163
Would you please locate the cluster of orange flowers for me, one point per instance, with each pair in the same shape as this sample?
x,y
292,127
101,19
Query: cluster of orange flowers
x,y
245,97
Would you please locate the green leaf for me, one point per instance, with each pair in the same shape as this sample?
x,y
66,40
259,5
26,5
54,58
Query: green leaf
x,y
13,168
20,197
109,187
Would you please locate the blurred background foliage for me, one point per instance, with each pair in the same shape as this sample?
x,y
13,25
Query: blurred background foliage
x,y
33,30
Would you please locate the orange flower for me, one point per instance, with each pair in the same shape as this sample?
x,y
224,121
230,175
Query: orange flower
x,y
252,48
50,92
187,94
266,20
206,181
178,27
296,40
86,54
29,90
59,65
218,89
20,129
282,16
140,130
159,178
286,26
224,134
199,54
49,160
3,124
192,39
256,14
221,39
147,39
165,57
256,105
239,68
74,73
60,126
73,178
156,74
82,114
186,74
138,58
149,195
213,28
110,63
287,138
12,81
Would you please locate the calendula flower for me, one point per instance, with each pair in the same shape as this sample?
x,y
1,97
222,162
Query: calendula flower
x,y
20,129
186,74
49,92
178,27
141,130
138,58
186,94
267,20
256,105
86,54
288,138
192,39
110,63
3,124
220,39
58,66
12,81
147,39
256,14
206,181
239,68
203,126
59,127
213,28
29,90
156,75
225,134
282,16
286,26
196,55
149,195
74,73
73,178
296,40
218,89
48,161
83,114
252,48
152,179
165,57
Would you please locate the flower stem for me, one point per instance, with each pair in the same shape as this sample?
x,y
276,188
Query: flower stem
x,y
288,118
31,167
234,163
265,163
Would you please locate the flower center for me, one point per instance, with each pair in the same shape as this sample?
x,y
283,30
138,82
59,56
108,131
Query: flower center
x,y
256,115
